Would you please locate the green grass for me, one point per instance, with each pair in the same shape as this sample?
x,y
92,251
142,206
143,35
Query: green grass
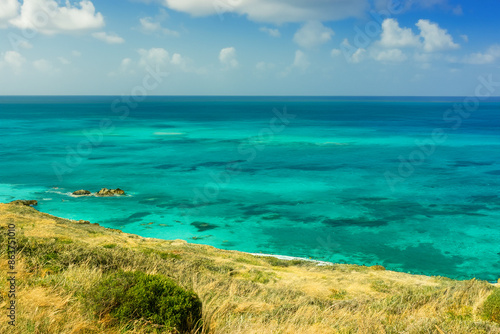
x,y
491,307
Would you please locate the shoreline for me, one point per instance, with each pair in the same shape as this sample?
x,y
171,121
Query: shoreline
x,y
277,256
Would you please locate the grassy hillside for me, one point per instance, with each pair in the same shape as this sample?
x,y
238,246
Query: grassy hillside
x,y
63,267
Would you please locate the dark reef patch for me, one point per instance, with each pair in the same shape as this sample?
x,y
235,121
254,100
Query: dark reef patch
x,y
202,227
464,163
166,166
353,222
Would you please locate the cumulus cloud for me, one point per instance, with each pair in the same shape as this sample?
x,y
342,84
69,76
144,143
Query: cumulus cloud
x,y
156,57
275,11
392,55
335,52
43,65
47,17
300,60
271,32
358,56
21,43
393,36
313,34
481,58
435,38
153,56
12,59
8,10
126,62
352,54
108,38
150,25
403,6
64,61
227,56
431,39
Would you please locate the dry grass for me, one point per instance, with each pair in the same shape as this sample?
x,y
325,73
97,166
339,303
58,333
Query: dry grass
x,y
241,293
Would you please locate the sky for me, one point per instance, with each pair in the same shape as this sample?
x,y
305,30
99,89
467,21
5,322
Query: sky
x,y
249,47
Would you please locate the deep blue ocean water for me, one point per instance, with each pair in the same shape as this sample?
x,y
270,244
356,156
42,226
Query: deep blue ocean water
x,y
409,183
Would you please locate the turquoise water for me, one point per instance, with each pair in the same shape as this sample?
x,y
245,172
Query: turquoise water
x,y
229,172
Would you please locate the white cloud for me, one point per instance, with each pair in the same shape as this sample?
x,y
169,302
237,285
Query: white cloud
x,y
12,59
227,56
157,57
64,61
335,52
352,54
149,25
108,38
465,38
423,57
393,36
8,10
126,62
154,56
25,45
47,17
178,60
488,57
300,60
458,10
403,6
391,55
274,11
271,32
43,65
431,39
312,34
76,53
358,56
435,38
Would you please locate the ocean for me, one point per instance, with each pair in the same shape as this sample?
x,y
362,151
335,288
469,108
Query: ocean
x,y
412,184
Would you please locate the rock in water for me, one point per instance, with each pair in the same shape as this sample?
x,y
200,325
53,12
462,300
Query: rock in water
x,y
110,192
82,193
25,202
118,192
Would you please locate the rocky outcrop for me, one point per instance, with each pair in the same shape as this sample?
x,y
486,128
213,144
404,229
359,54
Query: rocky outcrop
x,y
25,202
82,193
110,192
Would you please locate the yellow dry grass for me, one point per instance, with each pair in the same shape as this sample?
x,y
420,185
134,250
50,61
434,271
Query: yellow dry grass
x,y
241,293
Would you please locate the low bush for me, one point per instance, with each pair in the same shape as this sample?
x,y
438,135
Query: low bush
x,y
130,296
491,307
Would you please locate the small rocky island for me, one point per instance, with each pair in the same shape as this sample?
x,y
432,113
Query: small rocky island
x,y
110,192
25,202
104,192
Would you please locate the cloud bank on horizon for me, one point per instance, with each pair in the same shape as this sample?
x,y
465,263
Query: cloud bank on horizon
x,y
248,47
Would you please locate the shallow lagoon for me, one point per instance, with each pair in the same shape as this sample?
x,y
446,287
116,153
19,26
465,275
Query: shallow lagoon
x,y
229,172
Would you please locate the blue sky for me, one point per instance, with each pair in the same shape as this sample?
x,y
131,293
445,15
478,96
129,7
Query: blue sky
x,y
248,47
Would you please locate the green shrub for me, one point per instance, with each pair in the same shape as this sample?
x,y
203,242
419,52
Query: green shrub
x,y
129,296
491,307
